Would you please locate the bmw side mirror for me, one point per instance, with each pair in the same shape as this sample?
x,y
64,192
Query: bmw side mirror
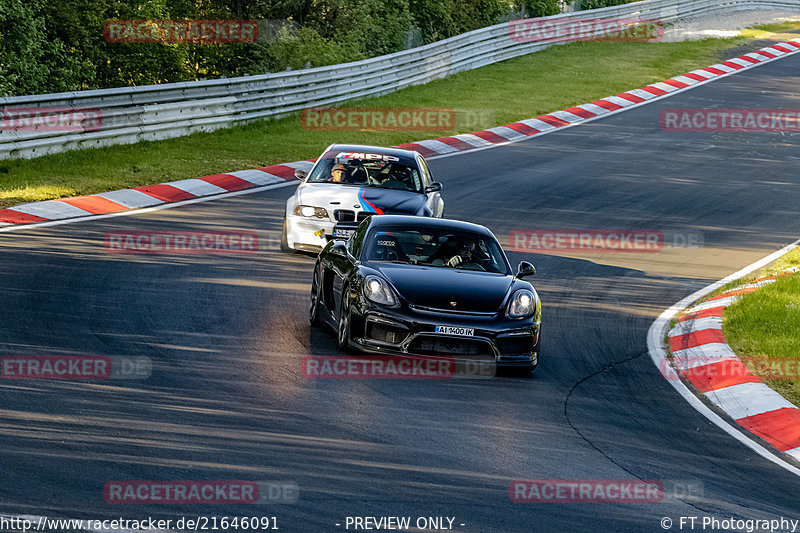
x,y
525,269
338,248
433,187
300,174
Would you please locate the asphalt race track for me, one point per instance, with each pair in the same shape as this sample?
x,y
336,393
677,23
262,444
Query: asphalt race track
x,y
226,335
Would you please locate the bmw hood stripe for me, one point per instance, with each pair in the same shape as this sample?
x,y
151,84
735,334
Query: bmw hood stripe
x,y
367,205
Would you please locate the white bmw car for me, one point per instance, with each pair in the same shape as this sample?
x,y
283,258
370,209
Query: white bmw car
x,y
351,182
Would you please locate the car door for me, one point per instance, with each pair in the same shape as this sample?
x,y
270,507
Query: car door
x,y
434,200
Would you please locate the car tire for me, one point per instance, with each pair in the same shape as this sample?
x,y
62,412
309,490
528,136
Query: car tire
x,y
343,325
316,295
285,248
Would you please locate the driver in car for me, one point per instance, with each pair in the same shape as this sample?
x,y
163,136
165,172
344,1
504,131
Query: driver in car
x,y
462,255
338,173
468,252
453,253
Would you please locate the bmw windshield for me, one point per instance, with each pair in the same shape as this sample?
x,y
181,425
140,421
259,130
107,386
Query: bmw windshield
x,y
368,170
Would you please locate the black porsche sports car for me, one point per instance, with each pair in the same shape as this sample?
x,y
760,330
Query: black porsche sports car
x,y
427,287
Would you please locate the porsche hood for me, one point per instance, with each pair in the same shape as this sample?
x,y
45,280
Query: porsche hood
x,y
448,288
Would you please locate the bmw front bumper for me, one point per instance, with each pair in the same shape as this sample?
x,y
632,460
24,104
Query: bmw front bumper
x,y
302,233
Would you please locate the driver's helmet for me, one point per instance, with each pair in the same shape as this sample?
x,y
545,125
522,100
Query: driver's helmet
x,y
466,247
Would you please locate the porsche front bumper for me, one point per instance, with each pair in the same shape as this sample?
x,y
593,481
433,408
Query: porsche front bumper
x,y
496,341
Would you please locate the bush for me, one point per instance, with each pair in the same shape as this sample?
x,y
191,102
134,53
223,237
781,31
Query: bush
x,y
474,14
297,49
434,18
539,8
30,61
597,4
440,19
375,27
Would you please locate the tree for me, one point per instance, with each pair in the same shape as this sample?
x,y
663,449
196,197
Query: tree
x,y
30,61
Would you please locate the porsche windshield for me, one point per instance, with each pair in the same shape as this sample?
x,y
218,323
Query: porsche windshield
x,y
388,173
437,248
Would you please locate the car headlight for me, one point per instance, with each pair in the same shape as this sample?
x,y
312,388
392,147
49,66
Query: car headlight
x,y
310,211
379,291
522,304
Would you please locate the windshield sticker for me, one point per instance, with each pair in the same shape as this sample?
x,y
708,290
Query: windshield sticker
x,y
364,155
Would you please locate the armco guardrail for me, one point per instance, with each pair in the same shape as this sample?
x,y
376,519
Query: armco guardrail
x,y
153,112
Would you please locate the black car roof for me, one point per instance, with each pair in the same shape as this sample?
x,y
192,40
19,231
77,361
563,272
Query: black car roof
x,y
416,222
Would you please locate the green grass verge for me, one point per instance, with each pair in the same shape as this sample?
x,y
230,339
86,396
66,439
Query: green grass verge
x,y
764,327
524,87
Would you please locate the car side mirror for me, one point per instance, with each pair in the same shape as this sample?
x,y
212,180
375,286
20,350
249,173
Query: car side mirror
x,y
300,174
338,248
525,269
434,187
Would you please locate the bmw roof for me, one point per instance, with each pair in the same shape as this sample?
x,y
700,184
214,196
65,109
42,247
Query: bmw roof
x,y
383,150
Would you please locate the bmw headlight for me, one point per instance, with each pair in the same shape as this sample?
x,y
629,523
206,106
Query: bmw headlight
x,y
310,211
523,304
379,291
